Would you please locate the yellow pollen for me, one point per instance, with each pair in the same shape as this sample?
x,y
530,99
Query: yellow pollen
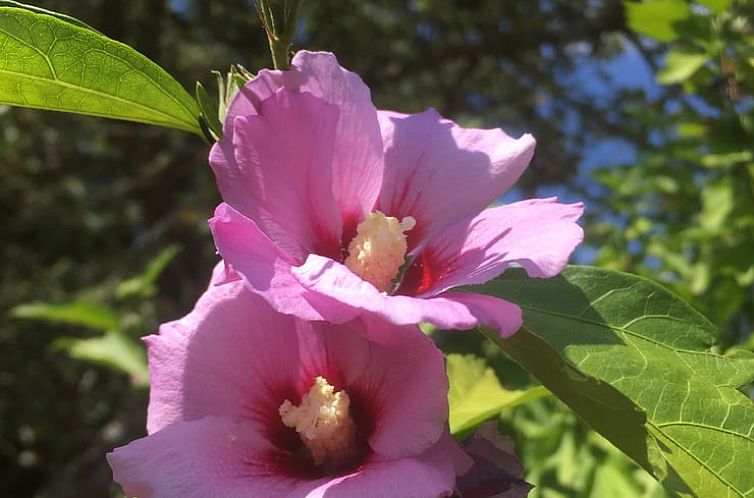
x,y
378,250
324,424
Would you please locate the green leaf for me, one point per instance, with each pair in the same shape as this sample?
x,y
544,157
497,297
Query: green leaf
x,y
209,113
39,10
143,286
716,6
113,350
49,62
636,362
82,313
680,66
476,394
717,203
657,18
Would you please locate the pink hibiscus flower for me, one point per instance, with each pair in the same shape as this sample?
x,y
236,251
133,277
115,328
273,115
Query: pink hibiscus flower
x,y
249,403
333,208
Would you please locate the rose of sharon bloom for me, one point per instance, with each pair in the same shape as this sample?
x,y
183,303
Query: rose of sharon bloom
x,y
326,198
250,403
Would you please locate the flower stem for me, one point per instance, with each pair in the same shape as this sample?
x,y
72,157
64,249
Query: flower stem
x,y
279,18
279,50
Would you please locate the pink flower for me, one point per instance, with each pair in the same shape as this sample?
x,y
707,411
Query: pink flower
x,y
250,403
326,197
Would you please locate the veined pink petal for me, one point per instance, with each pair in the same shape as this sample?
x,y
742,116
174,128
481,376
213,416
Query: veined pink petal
x,y
357,152
538,234
429,475
214,457
202,364
439,173
280,175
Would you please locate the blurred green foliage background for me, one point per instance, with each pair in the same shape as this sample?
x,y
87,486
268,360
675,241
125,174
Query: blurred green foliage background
x,y
645,110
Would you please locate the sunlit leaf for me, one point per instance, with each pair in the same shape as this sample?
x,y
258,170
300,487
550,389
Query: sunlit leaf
x,y
52,63
657,18
209,113
717,202
476,394
39,10
680,66
637,363
143,286
113,350
82,313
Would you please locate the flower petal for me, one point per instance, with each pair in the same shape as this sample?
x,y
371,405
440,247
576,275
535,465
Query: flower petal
x,y
229,357
208,458
281,174
501,315
538,234
357,158
438,172
333,283
266,269
430,475
399,386
322,289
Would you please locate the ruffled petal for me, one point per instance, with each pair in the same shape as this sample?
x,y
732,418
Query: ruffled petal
x,y
335,289
439,173
231,356
207,458
430,475
357,152
281,176
537,234
266,269
322,289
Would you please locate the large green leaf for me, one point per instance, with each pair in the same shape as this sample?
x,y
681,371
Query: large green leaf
x,y
56,63
637,363
39,10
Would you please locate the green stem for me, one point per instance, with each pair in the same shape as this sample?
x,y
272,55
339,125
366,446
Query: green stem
x,y
280,42
280,50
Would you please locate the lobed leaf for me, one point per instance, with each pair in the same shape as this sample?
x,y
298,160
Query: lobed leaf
x,y
636,362
52,62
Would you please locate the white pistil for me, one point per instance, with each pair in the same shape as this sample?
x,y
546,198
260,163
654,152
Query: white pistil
x,y
323,423
378,250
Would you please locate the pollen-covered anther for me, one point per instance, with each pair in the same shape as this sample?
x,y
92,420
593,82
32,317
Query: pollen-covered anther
x,y
324,424
378,250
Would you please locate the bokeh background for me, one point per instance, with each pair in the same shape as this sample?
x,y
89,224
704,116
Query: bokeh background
x,y
646,113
